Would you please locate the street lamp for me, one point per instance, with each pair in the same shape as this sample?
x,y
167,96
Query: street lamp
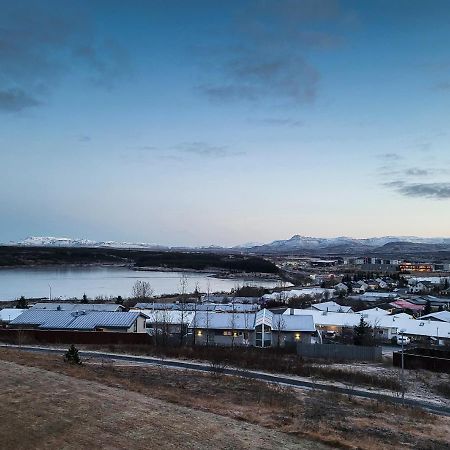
x,y
402,331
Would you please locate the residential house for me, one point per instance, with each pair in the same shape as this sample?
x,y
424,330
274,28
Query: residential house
x,y
125,322
8,314
441,316
261,329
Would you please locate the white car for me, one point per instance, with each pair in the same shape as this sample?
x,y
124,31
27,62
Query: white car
x,y
405,340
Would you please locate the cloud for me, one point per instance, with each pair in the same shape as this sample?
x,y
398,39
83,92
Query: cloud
x,y
13,100
84,138
267,58
417,172
437,191
42,42
205,150
442,86
390,157
254,76
270,121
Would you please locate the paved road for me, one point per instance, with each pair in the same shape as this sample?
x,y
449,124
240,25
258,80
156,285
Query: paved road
x,y
276,379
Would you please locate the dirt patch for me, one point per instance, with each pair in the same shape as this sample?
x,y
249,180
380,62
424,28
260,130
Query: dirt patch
x,y
43,409
337,420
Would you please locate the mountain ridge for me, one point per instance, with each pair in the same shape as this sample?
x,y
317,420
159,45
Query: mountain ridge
x,y
295,243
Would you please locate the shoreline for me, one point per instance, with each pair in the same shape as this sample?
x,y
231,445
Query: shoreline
x,y
211,272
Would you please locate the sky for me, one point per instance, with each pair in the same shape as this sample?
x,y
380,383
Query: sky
x,y
224,122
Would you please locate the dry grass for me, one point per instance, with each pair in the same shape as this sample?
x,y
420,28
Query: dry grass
x,y
270,360
337,420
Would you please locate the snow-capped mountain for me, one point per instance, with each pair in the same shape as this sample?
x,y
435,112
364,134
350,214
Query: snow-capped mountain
x,y
298,242
295,243
49,241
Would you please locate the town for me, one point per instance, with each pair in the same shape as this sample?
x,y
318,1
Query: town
x,y
225,225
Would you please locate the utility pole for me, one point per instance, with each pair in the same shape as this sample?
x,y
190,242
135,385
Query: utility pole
x,y
402,331
50,297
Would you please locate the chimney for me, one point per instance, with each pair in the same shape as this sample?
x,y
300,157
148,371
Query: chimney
x,y
291,311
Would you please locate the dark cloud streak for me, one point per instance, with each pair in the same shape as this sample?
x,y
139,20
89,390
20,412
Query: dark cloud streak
x,y
437,191
268,60
41,42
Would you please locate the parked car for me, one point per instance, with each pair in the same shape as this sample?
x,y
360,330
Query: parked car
x,y
405,340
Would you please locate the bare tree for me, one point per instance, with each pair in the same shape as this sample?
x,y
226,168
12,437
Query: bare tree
x,y
208,291
142,290
233,317
183,294
280,325
194,321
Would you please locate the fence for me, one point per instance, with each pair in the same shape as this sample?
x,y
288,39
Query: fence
x,y
339,352
424,358
16,336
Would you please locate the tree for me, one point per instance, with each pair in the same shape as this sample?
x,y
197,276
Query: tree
x,y
22,303
427,309
362,334
142,290
72,355
280,326
85,299
183,294
194,321
207,318
119,300
233,319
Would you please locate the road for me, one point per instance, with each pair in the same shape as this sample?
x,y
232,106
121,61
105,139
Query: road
x,y
261,376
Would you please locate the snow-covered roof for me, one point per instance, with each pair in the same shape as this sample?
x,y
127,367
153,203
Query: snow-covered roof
x,y
168,316
374,312
219,307
331,306
443,316
372,295
293,323
8,314
325,318
248,321
396,322
299,293
77,306
223,321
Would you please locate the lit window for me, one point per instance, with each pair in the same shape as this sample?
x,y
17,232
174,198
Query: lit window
x,y
199,333
297,336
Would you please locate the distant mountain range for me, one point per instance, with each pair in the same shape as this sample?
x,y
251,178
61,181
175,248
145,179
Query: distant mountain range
x,y
49,241
296,244
299,243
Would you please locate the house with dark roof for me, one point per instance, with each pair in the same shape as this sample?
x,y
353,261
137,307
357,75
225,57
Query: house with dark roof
x,y
125,322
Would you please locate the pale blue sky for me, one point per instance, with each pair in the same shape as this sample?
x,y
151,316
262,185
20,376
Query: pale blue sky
x,y
200,122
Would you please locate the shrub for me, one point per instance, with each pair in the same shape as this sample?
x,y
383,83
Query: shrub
x,y
72,355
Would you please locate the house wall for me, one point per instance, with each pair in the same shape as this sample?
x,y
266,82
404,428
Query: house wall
x,y
290,337
217,337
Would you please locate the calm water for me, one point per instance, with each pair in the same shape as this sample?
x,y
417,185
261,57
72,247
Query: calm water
x,y
104,281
